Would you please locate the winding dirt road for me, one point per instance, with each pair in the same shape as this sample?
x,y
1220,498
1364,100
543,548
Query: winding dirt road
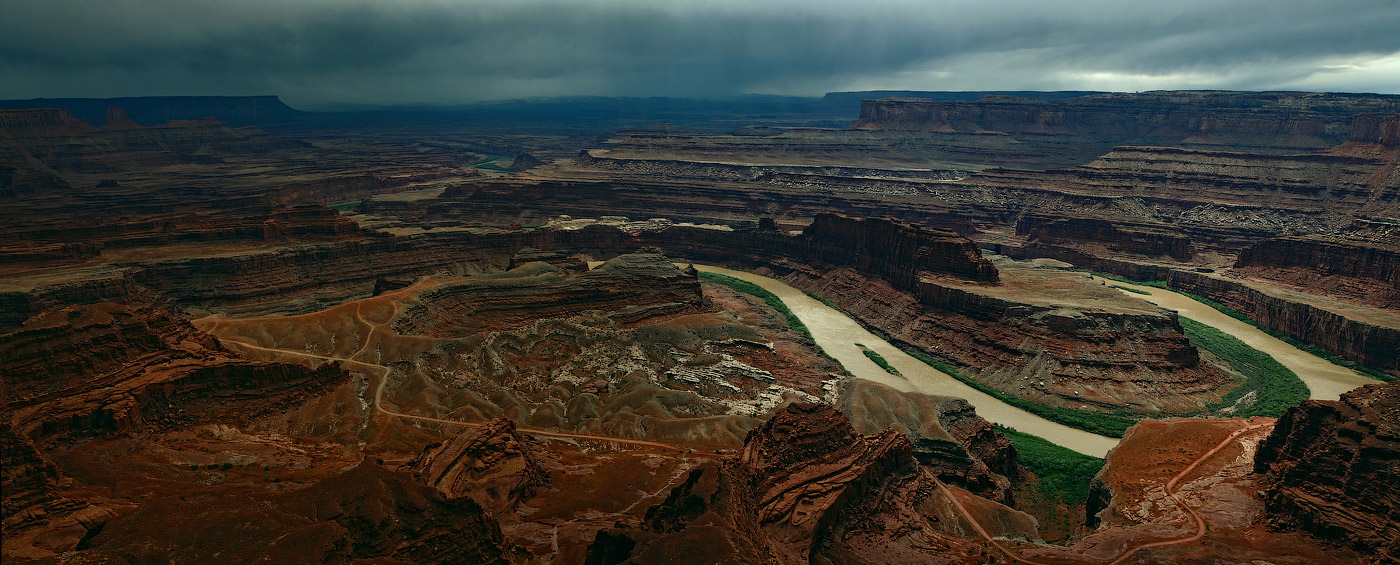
x,y
213,324
1169,487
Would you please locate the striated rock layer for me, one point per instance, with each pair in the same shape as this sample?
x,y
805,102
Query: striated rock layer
x,y
1276,121
491,464
1358,265
633,288
108,367
1331,468
1117,236
345,268
806,488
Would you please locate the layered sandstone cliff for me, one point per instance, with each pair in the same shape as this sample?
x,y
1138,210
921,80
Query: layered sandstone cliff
x,y
1152,240
1331,468
1272,121
1361,268
109,367
806,487
895,250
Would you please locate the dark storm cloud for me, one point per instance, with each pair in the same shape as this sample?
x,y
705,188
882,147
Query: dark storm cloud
x,y
315,52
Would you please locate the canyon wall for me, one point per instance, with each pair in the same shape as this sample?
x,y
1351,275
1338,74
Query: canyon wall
x,y
1256,121
1118,236
1362,269
1358,341
1330,468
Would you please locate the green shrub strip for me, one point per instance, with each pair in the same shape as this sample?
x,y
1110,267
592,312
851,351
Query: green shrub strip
x,y
1111,425
1275,386
1132,290
880,360
1063,470
1236,314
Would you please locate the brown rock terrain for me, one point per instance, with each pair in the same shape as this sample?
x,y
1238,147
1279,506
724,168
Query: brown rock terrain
x,y
1183,491
108,367
37,518
1330,469
1362,265
805,487
492,464
630,349
364,513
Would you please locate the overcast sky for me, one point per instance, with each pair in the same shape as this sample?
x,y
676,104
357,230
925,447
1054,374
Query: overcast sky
x,y
318,52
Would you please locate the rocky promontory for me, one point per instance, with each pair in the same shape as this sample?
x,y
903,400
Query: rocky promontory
x,y
1331,468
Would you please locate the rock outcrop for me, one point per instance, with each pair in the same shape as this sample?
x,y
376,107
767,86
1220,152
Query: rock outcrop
x,y
1381,129
1046,335
366,512
805,487
1331,468
1360,340
492,464
895,250
108,367
36,518
632,288
948,437
1151,240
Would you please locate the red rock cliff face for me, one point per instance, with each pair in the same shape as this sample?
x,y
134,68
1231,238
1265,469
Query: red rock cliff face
x,y
1331,469
1381,129
1127,237
1360,269
896,250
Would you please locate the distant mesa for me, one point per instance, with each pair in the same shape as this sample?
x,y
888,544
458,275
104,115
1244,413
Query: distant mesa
x,y
117,120
525,161
232,110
